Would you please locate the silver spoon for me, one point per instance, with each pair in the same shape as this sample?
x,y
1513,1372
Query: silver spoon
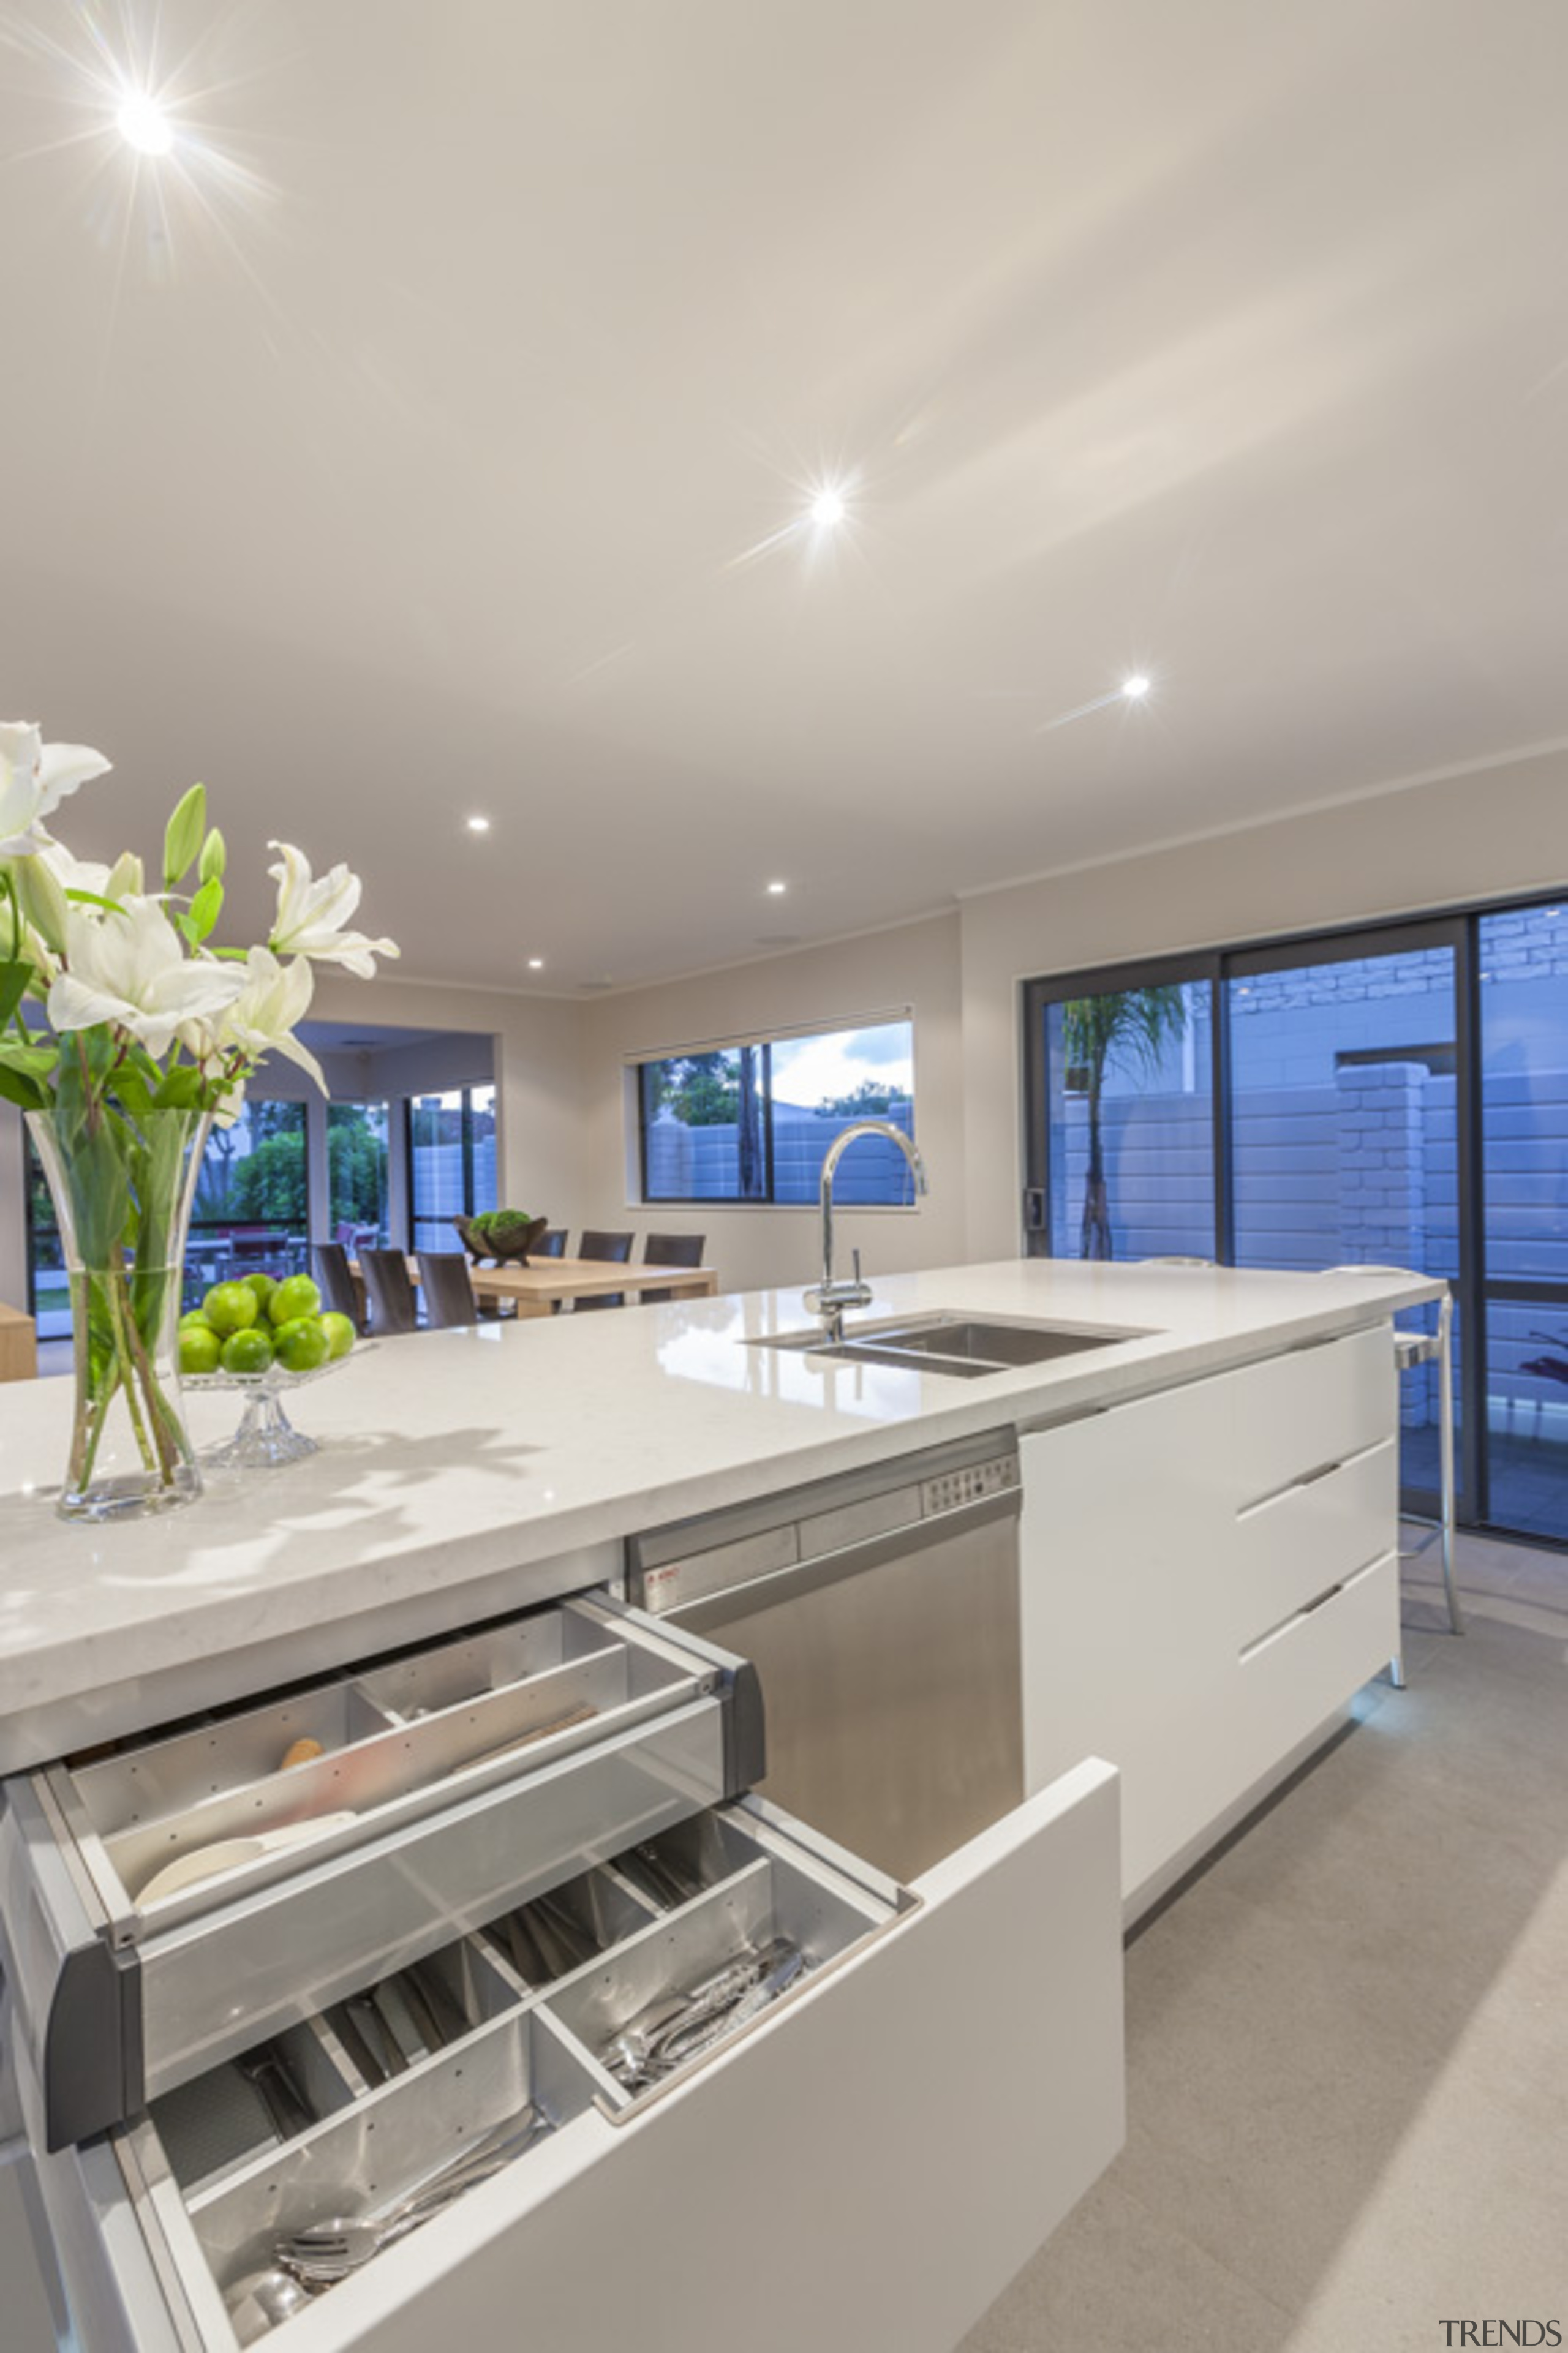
x,y
262,2300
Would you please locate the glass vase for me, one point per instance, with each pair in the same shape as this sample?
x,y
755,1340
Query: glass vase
x,y
121,1189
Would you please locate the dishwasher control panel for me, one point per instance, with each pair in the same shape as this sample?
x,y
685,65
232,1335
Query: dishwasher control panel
x,y
688,1565
953,1489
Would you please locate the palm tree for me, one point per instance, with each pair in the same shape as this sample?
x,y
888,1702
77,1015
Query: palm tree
x,y
1132,1026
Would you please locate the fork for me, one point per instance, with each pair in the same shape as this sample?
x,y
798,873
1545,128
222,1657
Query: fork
x,y
321,2252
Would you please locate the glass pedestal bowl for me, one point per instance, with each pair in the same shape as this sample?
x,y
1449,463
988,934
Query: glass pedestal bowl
x,y
265,1438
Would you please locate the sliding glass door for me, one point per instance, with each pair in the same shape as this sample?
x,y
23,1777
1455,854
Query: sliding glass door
x,y
1130,1106
1393,1097
1344,1128
1523,1000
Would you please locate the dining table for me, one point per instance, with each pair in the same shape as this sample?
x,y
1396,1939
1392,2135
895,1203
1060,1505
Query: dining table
x,y
545,1283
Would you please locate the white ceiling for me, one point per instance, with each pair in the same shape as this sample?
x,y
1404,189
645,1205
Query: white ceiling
x,y
416,473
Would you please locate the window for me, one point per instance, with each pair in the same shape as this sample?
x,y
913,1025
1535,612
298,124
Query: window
x,y
451,1162
753,1122
250,1213
356,1174
1393,1095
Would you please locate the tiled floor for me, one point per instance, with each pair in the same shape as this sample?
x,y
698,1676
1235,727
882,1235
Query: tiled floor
x,y
1347,2040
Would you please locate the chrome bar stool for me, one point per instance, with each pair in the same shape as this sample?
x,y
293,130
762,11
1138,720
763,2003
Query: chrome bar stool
x,y
1409,1350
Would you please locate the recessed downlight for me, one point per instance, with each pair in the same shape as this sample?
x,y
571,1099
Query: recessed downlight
x,y
777,889
143,124
829,508
477,824
535,963
1136,687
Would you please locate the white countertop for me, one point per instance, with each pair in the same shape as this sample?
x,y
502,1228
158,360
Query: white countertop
x,y
453,1463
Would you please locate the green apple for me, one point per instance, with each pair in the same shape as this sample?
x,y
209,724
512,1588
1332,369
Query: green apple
x,y
301,1344
230,1307
297,1296
341,1335
200,1348
247,1352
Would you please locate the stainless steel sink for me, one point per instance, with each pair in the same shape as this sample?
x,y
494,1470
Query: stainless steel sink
x,y
967,1346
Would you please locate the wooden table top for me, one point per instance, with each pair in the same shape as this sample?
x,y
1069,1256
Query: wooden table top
x,y
539,1285
549,1279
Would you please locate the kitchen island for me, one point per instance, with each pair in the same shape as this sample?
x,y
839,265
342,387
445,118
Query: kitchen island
x,y
1207,1577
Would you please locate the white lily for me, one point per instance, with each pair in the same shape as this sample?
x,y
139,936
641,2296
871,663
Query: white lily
x,y
35,777
264,1016
130,969
312,914
126,878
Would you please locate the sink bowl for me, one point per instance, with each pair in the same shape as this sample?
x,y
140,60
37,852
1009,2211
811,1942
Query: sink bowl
x,y
966,1346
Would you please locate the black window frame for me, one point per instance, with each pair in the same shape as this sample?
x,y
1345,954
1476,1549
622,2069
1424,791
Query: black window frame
x,y
465,1142
1456,927
767,1199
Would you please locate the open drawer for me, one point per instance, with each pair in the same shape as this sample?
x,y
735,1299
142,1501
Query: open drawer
x,y
942,2072
174,1902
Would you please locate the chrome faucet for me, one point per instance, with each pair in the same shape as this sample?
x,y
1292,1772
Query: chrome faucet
x,y
828,1299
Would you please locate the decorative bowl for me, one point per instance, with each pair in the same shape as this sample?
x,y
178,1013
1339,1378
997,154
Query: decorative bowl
x,y
513,1247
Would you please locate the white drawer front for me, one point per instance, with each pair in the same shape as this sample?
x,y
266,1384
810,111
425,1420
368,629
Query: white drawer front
x,y
1161,1540
1295,1546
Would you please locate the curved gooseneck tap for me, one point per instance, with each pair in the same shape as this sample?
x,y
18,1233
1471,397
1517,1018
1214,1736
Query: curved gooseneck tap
x,y
829,1299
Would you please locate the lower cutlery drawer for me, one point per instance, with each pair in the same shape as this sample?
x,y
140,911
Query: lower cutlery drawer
x,y
803,2134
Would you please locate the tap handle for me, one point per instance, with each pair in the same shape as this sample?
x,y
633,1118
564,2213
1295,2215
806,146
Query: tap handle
x,y
856,1255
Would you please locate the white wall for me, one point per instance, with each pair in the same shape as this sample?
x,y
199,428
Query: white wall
x,y
755,1244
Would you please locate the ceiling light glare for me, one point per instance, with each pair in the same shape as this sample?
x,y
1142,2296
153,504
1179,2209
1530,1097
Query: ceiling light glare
x,y
777,889
143,124
479,825
535,963
1136,687
828,509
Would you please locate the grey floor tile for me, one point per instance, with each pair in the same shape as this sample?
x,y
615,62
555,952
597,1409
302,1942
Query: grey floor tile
x,y
1118,2280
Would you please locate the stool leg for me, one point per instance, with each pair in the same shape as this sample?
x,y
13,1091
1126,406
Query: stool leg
x,y
1445,1455
1396,1672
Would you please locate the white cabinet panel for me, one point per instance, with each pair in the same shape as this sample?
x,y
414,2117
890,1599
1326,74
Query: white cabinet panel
x,y
1166,1544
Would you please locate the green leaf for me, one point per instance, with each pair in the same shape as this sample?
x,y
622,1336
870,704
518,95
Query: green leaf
x,y
214,857
183,836
26,1094
15,979
206,907
91,899
33,1061
181,1090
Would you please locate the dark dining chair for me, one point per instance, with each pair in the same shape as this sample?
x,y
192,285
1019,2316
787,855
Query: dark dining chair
x,y
340,1294
393,1307
670,1250
615,1247
448,1294
551,1244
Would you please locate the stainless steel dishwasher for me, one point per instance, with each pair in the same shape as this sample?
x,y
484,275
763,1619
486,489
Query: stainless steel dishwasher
x,y
881,1610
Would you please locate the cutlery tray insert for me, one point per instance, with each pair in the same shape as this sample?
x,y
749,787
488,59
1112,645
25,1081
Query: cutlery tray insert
x,y
391,1733
507,2043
